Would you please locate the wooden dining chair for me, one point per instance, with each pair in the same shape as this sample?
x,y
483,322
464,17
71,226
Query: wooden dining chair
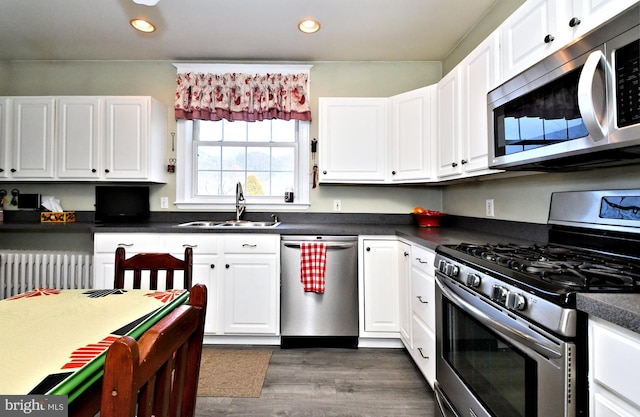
x,y
157,375
153,262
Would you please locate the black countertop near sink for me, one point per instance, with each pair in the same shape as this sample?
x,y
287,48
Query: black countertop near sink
x,y
621,309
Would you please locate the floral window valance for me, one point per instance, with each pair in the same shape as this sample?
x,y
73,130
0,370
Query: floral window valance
x,y
247,97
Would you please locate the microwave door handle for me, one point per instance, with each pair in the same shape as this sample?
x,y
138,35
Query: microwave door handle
x,y
515,330
597,130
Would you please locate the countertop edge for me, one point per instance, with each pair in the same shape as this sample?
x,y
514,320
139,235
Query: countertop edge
x,y
620,309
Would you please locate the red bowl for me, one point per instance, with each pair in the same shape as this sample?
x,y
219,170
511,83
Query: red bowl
x,y
429,220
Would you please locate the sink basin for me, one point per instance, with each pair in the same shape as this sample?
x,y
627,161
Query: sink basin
x,y
200,223
229,223
247,223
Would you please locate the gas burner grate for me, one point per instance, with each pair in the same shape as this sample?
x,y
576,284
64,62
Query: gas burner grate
x,y
567,267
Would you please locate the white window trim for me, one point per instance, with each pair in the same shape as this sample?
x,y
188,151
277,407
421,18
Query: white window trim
x,y
185,174
184,150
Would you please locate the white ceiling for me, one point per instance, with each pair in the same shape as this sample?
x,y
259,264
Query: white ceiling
x,y
250,30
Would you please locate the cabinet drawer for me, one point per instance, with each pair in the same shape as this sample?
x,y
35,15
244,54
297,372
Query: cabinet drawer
x,y
614,357
424,349
423,298
132,242
423,259
251,243
200,242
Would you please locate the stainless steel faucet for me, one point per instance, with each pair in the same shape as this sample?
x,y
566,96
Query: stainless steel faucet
x,y
240,205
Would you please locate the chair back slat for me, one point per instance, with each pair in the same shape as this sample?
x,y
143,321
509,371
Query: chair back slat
x,y
153,263
157,375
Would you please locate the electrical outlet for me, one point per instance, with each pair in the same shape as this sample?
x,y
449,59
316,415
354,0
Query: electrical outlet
x,y
164,202
489,207
337,205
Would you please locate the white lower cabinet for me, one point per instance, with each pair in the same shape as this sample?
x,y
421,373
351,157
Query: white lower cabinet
x,y
422,302
613,370
251,289
378,286
241,272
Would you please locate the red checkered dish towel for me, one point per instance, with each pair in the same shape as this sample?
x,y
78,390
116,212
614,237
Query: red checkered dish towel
x,y
313,264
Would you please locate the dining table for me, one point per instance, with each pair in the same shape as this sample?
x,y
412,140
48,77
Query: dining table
x,y
54,341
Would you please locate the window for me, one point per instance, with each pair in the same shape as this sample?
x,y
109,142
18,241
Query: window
x,y
268,157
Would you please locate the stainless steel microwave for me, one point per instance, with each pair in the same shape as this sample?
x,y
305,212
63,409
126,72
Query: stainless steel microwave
x,y
578,108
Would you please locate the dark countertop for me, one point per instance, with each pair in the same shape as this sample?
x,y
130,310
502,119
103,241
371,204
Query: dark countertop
x,y
620,309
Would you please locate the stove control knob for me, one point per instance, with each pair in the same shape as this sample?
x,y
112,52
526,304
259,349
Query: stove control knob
x,y
516,301
499,294
473,280
442,266
452,270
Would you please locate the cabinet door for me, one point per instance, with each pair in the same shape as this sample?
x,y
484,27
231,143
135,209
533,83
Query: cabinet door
x,y
592,13
448,125
4,139
78,137
32,133
380,281
404,292
529,35
353,139
479,75
205,271
412,124
251,295
126,137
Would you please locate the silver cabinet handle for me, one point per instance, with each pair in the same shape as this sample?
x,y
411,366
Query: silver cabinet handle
x,y
421,261
422,354
419,297
126,245
187,245
249,245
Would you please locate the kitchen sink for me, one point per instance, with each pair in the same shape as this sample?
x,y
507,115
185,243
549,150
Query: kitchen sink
x,y
229,223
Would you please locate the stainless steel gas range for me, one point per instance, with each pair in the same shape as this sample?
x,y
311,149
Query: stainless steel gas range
x,y
510,341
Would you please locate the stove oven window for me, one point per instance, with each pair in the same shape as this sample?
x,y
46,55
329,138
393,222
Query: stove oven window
x,y
502,377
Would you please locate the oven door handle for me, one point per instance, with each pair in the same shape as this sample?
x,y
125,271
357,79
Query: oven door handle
x,y
514,330
444,406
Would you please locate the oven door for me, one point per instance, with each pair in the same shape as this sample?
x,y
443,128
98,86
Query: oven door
x,y
490,362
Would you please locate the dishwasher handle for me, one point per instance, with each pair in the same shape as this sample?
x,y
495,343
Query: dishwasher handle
x,y
330,245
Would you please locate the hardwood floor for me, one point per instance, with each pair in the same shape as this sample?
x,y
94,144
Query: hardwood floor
x,y
333,382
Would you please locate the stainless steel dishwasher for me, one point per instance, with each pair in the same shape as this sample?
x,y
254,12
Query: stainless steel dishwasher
x,y
330,319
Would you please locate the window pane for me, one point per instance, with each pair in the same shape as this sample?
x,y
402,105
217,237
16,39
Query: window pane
x,y
281,182
284,131
258,183
258,158
210,131
234,131
233,158
229,181
208,183
209,158
283,159
259,131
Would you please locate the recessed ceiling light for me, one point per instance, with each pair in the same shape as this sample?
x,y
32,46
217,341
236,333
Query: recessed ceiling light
x,y
309,26
142,25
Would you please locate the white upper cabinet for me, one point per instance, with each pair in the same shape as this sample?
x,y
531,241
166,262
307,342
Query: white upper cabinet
x,y
83,139
78,138
377,140
528,35
413,128
353,140
4,138
540,27
479,73
449,114
462,138
31,133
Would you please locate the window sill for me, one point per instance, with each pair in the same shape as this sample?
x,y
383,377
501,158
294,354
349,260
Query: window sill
x,y
250,207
